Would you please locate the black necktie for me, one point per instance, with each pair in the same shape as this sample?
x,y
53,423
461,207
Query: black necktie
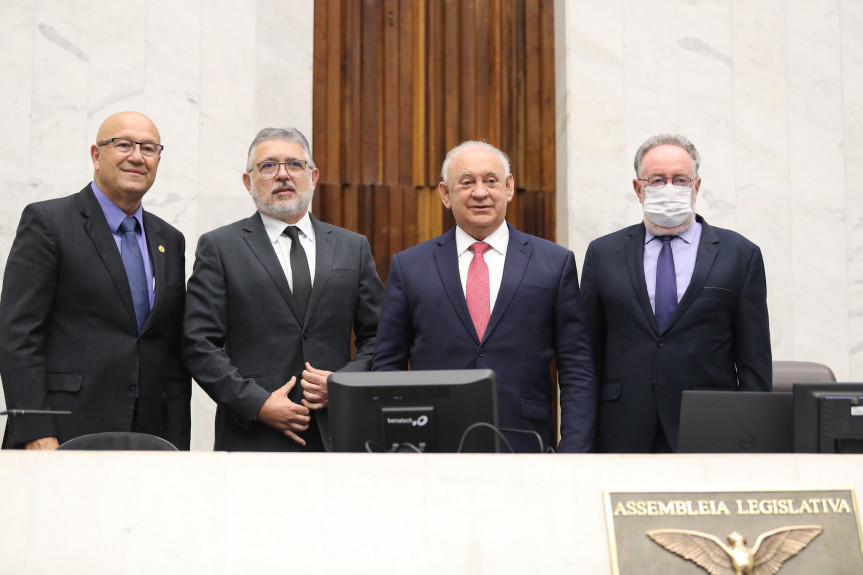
x,y
133,261
302,279
666,284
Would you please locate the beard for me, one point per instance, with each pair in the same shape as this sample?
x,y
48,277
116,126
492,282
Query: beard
x,y
288,210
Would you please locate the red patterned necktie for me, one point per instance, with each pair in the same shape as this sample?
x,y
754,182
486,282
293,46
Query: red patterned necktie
x,y
478,299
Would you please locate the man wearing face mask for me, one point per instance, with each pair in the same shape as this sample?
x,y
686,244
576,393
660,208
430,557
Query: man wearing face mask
x,y
672,303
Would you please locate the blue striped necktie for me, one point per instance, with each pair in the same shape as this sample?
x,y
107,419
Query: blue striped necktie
x,y
134,264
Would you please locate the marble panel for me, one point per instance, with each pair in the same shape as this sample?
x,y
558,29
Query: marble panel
x,y
61,60
118,49
227,94
590,122
855,292
815,104
763,196
820,288
283,65
653,74
172,100
16,69
706,102
851,22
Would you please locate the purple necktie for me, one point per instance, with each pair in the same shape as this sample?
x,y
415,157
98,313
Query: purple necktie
x,y
666,284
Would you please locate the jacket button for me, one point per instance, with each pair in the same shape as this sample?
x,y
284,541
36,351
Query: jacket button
x,y
659,342
305,334
481,352
132,386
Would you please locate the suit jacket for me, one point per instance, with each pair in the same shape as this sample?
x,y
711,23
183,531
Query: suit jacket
x,y
718,336
70,339
242,335
537,318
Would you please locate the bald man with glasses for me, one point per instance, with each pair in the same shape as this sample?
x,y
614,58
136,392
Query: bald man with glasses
x,y
92,304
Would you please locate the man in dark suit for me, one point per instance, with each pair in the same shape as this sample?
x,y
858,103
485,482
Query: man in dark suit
x,y
77,333
673,304
485,295
254,317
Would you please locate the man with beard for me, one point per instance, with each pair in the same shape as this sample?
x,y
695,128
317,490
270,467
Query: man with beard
x,y
271,305
672,303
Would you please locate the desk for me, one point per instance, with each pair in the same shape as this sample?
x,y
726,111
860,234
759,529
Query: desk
x,y
219,513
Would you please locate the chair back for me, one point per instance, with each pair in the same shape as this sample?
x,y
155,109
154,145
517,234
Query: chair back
x,y
787,373
119,441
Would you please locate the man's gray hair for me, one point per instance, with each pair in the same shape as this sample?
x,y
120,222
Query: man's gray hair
x,y
666,140
471,144
285,134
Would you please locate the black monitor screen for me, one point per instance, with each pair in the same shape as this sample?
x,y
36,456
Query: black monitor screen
x,y
828,417
426,411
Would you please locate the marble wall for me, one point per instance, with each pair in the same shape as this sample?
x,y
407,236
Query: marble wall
x,y
771,93
210,73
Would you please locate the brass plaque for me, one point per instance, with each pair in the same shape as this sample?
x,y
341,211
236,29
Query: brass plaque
x,y
734,533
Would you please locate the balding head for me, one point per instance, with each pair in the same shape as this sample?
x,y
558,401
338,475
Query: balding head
x,y
125,177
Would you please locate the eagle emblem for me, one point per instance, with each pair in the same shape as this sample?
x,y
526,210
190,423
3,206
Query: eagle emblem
x,y
770,551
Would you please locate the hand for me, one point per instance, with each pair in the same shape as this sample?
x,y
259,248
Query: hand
x,y
43,443
284,415
315,387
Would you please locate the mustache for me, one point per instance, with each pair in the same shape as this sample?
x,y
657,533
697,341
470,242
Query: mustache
x,y
282,185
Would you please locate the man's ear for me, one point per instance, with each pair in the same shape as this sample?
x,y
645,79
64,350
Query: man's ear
x,y
444,195
247,181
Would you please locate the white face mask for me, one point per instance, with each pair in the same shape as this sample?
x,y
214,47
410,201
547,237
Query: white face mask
x,y
667,206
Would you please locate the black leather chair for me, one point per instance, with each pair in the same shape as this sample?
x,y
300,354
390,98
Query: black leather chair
x,y
119,441
787,373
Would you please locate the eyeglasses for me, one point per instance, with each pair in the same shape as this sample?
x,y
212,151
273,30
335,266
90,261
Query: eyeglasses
x,y
126,146
269,169
654,181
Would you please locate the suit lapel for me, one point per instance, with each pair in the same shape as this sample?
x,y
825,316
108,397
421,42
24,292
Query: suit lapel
x,y
96,227
325,253
635,265
255,235
156,249
446,260
707,249
517,256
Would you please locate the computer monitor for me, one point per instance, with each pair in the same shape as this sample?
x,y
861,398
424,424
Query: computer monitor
x,y
828,417
725,421
425,411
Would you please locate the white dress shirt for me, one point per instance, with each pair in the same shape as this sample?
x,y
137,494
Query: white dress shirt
x,y
282,243
494,258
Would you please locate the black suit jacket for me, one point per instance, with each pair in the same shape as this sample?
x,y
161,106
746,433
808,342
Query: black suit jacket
x,y
537,318
69,335
242,336
718,336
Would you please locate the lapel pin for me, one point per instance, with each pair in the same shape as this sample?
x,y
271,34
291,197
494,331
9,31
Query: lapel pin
x,y
162,249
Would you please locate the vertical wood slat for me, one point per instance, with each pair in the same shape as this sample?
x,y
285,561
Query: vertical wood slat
x,y
351,129
420,135
451,63
435,145
390,117
547,107
468,31
370,93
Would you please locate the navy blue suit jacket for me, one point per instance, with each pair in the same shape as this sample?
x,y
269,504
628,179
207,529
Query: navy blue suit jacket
x,y
537,318
718,336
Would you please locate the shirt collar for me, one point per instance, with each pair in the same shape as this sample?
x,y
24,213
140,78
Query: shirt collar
x,y
275,227
688,235
498,239
112,211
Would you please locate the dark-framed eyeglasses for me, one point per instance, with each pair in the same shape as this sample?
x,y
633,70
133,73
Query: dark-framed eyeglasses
x,y
269,168
126,146
658,181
